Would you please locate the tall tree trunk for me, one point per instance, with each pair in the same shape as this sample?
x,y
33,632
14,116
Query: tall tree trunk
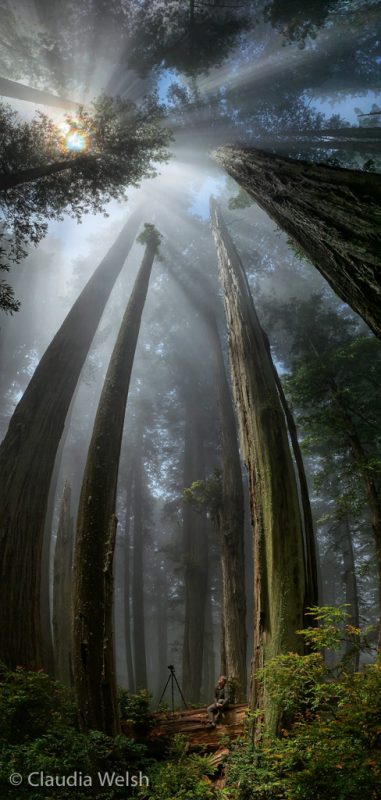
x,y
19,91
27,457
138,616
62,597
310,551
195,555
10,181
279,580
127,588
231,527
94,672
333,214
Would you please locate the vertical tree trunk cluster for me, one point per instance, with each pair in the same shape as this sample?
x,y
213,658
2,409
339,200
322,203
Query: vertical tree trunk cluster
x,y
94,672
279,576
231,510
333,215
27,457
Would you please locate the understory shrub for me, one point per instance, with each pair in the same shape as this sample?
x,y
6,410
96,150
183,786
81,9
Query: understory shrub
x,y
330,748
39,733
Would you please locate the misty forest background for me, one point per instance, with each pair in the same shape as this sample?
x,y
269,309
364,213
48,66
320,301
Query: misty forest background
x,y
190,390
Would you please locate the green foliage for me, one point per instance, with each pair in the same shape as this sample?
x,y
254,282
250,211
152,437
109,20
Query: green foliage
x,y
297,251
181,776
134,709
330,748
39,733
205,495
121,141
149,235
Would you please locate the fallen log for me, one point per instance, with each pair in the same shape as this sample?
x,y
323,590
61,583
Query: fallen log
x,y
192,723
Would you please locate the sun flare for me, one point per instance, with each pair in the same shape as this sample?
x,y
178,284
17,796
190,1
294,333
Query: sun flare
x,y
75,141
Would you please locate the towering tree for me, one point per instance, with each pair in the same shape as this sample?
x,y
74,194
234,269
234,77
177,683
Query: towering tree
x,y
279,580
62,591
28,452
332,214
94,672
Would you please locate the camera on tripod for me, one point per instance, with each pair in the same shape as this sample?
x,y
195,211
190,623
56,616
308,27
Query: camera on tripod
x,y
172,678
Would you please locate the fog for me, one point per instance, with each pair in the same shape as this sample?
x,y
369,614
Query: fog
x,y
260,81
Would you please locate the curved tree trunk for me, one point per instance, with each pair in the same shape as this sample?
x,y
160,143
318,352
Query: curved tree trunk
x,y
27,457
94,673
333,215
279,580
311,560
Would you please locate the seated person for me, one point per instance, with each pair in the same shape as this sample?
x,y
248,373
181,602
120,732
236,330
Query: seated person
x,y
220,701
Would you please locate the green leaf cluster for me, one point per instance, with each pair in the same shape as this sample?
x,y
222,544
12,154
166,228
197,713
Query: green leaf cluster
x,y
39,732
181,776
329,748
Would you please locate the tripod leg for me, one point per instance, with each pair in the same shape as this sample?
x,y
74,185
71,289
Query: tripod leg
x,y
164,690
181,694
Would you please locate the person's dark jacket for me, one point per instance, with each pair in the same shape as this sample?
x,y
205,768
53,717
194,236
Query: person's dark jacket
x,y
221,695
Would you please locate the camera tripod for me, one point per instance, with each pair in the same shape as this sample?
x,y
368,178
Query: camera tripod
x,y
172,678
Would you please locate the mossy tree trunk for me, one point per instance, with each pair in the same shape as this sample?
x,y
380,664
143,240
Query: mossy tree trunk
x,y
279,579
27,457
332,214
94,672
310,545
62,592
231,527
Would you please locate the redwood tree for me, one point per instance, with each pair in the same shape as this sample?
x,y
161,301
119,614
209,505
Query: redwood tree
x,y
279,576
94,672
332,214
28,452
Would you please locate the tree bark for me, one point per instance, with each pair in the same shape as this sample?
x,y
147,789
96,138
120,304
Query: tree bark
x,y
231,527
43,171
138,616
19,91
333,215
62,596
279,580
127,589
310,554
94,672
27,457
